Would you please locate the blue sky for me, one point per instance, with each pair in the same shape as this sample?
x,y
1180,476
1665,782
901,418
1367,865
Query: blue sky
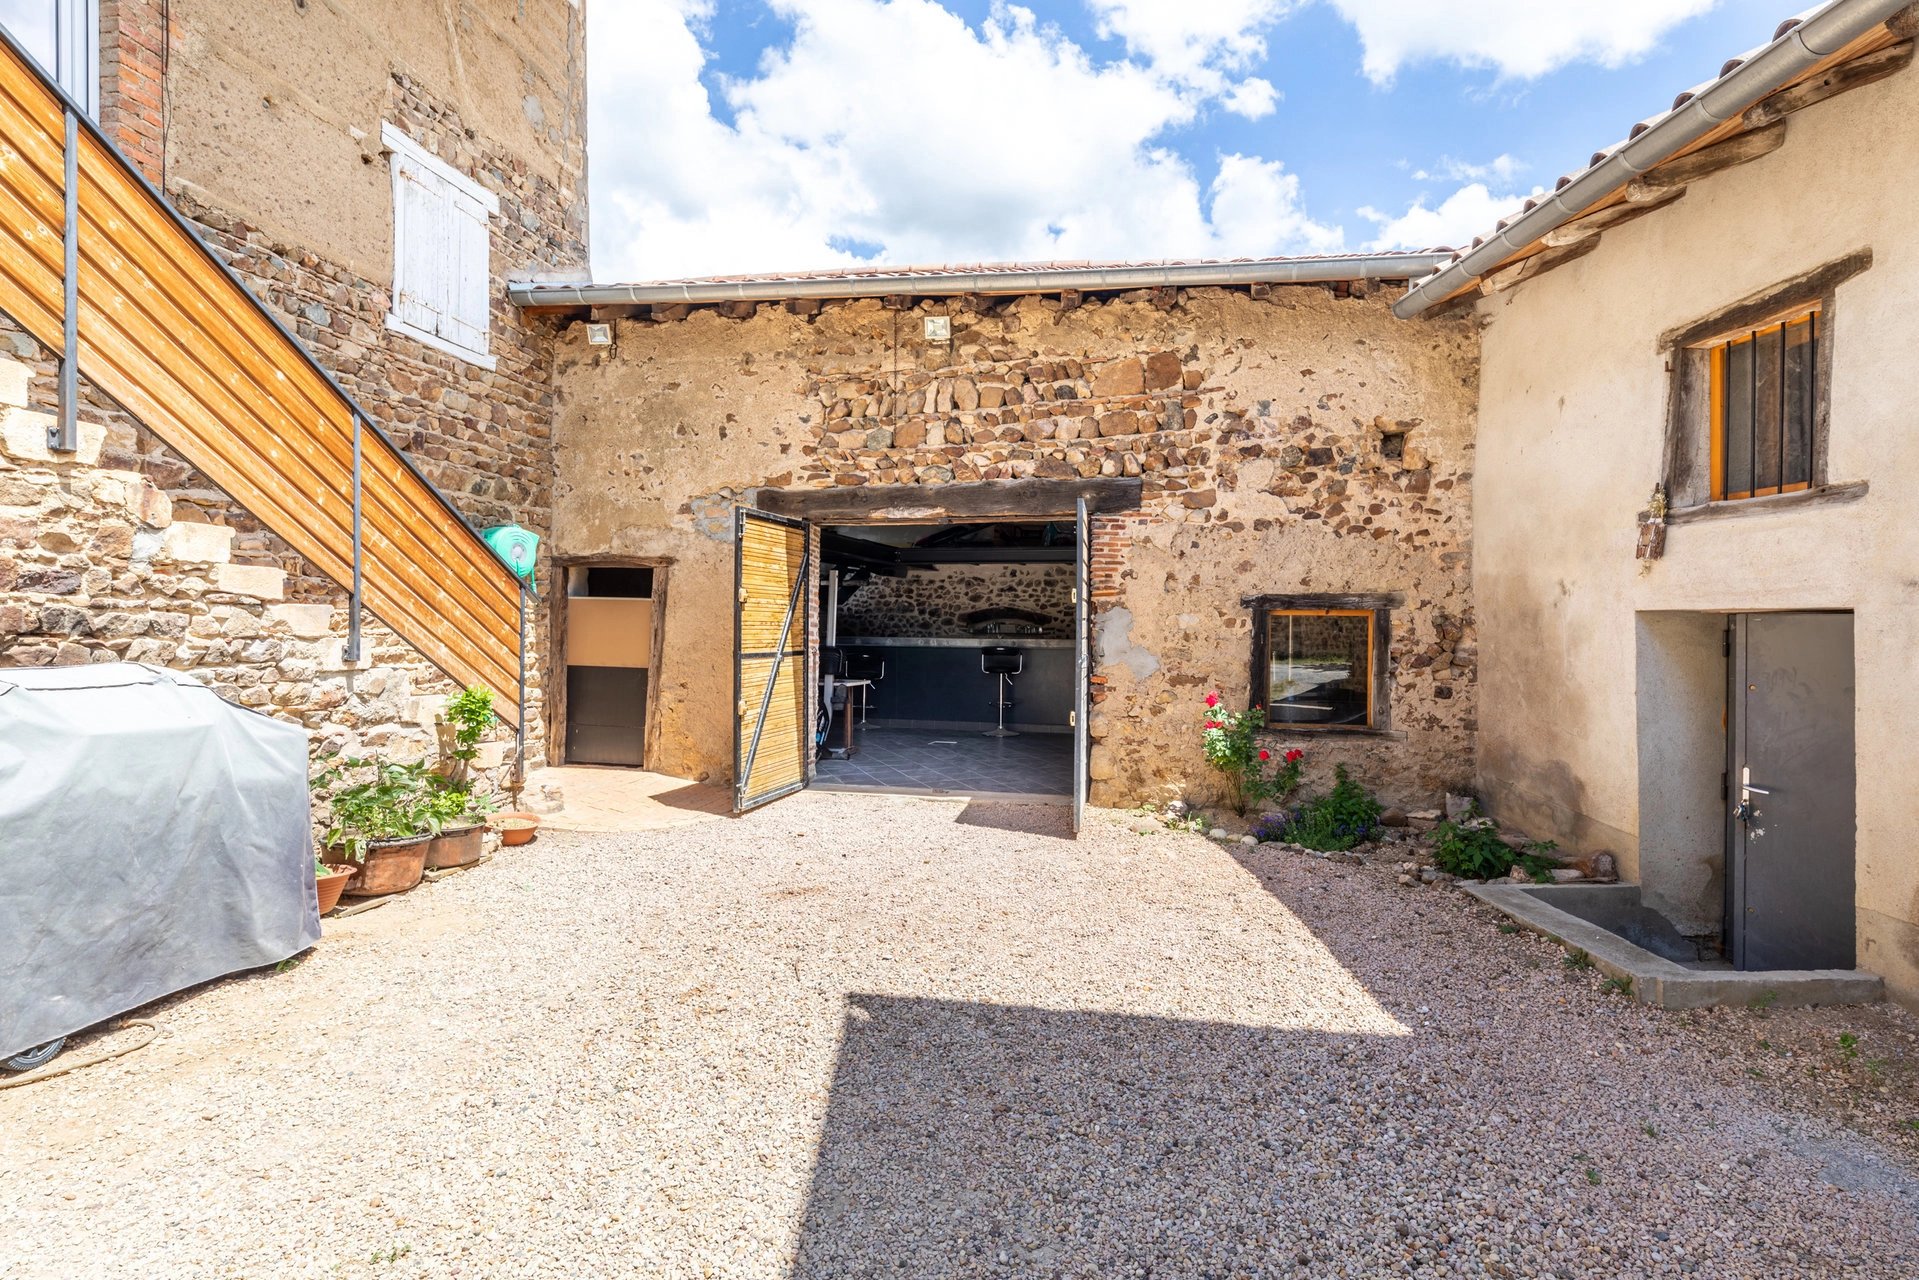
x,y
761,135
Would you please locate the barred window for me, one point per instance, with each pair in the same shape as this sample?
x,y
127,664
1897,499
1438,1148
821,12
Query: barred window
x,y
1765,399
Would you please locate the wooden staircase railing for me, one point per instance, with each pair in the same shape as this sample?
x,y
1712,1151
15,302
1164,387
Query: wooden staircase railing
x,y
165,329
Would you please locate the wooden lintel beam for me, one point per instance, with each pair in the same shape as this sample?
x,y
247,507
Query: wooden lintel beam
x,y
975,500
1834,81
1537,265
1069,299
1736,150
608,313
1611,216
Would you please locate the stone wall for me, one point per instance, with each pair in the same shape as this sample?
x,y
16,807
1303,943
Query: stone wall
x,y
1304,443
124,550
935,602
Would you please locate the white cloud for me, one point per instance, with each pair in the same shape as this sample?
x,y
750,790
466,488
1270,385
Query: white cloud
x,y
1190,39
1472,210
822,159
1500,167
1253,98
1522,38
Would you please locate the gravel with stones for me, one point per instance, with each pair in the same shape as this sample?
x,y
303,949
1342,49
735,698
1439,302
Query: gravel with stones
x,y
876,1036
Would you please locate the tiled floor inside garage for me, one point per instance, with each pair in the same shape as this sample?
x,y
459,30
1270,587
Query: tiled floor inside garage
x,y
947,760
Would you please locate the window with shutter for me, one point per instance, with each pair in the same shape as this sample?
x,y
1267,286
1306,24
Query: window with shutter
x,y
442,274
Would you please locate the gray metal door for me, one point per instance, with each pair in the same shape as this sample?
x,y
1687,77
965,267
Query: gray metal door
x,y
1082,659
1790,891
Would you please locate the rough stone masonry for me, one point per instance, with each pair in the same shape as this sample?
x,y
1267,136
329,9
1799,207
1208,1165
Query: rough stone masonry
x,y
1303,443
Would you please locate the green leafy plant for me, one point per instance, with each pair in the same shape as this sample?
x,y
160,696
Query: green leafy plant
x,y
458,805
1848,1045
1617,986
1230,742
1575,958
1473,850
369,801
1336,821
463,726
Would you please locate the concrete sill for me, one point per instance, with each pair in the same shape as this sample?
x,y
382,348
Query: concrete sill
x,y
1664,983
1850,491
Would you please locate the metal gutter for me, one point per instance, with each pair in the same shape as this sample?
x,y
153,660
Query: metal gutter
x,y
1819,36
1378,266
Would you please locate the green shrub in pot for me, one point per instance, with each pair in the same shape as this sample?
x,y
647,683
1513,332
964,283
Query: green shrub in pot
x,y
369,801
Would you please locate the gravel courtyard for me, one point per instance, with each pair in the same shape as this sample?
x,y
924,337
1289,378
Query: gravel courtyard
x,y
872,1036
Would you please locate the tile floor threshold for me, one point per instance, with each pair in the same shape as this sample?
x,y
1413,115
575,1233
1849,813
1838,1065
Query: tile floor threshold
x,y
943,793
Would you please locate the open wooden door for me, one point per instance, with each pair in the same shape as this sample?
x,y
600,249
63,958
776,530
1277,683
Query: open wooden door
x,y
1082,659
771,740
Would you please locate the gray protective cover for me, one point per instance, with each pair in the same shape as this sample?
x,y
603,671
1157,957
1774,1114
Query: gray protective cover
x,y
152,836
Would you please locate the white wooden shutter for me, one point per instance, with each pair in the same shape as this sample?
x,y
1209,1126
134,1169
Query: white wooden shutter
x,y
442,270
465,321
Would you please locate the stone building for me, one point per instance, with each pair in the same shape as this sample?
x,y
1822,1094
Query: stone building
x,y
1289,447
278,130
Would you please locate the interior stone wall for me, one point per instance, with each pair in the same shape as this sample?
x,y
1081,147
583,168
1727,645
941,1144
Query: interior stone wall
x,y
934,602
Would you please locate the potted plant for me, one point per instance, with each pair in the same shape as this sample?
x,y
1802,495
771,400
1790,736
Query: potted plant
x,y
329,882
380,820
461,728
516,828
460,814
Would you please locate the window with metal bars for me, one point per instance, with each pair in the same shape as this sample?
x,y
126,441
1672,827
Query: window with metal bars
x,y
1765,408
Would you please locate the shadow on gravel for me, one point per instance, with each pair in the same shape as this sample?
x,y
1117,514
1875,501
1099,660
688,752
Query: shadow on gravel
x,y
1051,820
970,1139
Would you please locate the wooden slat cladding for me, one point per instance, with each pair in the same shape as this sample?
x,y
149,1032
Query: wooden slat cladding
x,y
770,653
192,354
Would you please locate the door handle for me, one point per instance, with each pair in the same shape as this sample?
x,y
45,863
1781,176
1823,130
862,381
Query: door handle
x,y
1746,790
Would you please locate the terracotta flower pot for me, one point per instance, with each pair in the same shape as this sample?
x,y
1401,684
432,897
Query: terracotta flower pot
x,y
456,847
332,885
516,828
391,866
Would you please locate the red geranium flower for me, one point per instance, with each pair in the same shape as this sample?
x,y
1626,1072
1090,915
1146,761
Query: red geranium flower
x,y
1212,700
1214,724
1265,755
1295,756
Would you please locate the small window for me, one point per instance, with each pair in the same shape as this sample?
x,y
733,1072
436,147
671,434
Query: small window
x,y
63,36
1318,667
442,273
1765,409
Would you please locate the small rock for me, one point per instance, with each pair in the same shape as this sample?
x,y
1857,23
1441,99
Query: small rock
x,y
1219,833
1393,818
1566,875
1249,840
1459,807
1407,880
1602,868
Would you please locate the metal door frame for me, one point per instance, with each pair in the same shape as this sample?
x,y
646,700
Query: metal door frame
x,y
1082,659
798,604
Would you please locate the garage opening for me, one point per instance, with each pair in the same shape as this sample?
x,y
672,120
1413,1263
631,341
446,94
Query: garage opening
x,y
948,658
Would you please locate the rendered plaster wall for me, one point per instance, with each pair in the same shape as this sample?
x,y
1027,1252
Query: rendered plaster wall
x,y
1572,423
274,110
1255,427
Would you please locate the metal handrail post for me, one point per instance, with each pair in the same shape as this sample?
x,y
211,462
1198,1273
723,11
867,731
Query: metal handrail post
x,y
353,605
519,765
64,435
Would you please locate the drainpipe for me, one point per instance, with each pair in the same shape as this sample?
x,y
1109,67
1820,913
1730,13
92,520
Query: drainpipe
x,y
1378,266
1818,37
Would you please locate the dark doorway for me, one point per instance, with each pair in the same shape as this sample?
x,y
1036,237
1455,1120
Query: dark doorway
x,y
950,657
1791,837
609,630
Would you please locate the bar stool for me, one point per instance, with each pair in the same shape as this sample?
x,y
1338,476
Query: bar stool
x,y
1002,662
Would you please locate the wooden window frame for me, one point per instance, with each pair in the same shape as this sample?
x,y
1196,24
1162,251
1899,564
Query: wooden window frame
x,y
1376,609
1693,474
